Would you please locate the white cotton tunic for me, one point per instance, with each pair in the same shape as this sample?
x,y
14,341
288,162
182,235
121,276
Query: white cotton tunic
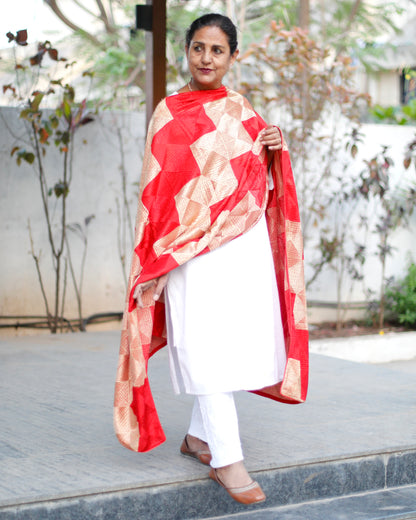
x,y
223,318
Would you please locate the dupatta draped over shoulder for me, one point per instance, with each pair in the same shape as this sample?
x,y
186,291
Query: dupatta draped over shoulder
x,y
204,182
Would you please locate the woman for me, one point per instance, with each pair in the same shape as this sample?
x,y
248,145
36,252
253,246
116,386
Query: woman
x,y
210,277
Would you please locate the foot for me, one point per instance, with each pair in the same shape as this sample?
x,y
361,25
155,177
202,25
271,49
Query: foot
x,y
238,483
235,475
196,448
195,444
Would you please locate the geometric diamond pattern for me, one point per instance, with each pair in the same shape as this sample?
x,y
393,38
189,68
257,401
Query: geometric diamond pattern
x,y
204,182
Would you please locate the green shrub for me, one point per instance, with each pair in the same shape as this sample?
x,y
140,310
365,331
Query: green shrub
x,y
401,299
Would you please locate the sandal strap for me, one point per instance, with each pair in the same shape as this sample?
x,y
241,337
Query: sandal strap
x,y
242,489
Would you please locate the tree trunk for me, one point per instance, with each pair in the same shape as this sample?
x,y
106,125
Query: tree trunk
x,y
304,14
383,279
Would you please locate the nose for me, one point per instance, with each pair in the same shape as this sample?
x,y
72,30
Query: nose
x,y
206,57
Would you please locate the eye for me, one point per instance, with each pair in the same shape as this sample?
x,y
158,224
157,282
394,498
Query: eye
x,y
197,48
218,51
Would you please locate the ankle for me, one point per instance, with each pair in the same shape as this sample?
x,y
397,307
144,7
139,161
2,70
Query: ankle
x,y
194,442
234,475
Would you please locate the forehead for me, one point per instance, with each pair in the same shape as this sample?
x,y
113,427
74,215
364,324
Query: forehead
x,y
210,34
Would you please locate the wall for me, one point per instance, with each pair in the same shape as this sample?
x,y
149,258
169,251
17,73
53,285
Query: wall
x,y
96,190
384,88
403,240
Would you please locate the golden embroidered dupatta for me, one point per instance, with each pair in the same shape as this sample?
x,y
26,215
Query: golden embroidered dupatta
x,y
204,183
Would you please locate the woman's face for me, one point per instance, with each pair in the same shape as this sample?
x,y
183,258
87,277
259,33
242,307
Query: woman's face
x,y
209,58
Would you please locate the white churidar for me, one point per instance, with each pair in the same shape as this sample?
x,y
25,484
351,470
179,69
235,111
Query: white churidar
x,y
214,420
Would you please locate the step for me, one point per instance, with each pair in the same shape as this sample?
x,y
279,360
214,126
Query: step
x,y
59,458
203,498
393,504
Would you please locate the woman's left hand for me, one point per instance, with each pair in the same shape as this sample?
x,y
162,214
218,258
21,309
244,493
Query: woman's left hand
x,y
141,288
270,137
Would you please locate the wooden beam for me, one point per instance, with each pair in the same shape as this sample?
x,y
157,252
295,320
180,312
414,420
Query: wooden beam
x,y
303,7
155,57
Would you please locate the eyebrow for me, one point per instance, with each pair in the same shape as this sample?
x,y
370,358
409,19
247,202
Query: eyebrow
x,y
203,43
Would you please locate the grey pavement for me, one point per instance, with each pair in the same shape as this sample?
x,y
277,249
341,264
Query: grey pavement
x,y
57,439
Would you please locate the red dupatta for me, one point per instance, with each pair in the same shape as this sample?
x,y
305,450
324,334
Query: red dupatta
x,y
204,183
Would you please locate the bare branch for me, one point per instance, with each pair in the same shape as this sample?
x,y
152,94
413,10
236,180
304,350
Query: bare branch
x,y
111,11
134,78
352,15
43,189
64,295
81,6
103,16
42,287
350,21
77,289
56,9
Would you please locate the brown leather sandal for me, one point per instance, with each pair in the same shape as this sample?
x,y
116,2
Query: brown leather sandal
x,y
204,456
250,494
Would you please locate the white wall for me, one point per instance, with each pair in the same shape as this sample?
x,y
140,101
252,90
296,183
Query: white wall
x,y
402,240
96,187
382,86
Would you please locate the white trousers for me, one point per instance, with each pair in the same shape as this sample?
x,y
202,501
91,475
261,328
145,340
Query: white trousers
x,y
214,420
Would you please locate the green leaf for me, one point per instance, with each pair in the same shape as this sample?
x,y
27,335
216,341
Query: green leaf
x,y
401,120
47,127
54,121
29,157
69,93
410,110
65,137
88,219
34,104
24,114
61,188
67,110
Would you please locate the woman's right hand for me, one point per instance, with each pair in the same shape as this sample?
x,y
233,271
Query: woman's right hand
x,y
271,138
141,288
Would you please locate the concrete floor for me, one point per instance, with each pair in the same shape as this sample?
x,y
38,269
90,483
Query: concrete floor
x,y
57,440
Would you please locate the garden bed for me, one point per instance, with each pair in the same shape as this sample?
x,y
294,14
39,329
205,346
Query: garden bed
x,y
349,329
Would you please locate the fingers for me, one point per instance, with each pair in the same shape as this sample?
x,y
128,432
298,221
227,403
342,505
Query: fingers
x,y
160,285
141,288
137,295
270,137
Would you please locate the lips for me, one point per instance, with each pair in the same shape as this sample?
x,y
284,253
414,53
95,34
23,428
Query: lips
x,y
205,71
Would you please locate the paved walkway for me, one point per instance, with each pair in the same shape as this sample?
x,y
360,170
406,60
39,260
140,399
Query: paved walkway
x,y
57,440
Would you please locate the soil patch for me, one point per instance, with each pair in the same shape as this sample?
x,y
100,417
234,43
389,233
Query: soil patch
x,y
352,328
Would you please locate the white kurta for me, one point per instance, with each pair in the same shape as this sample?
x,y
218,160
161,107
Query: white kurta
x,y
223,318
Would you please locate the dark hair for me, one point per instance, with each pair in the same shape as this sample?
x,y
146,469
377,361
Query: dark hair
x,y
216,20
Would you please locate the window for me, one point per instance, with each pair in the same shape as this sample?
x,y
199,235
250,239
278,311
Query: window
x,y
407,85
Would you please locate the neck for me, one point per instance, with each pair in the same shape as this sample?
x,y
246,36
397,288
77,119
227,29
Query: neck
x,y
192,87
